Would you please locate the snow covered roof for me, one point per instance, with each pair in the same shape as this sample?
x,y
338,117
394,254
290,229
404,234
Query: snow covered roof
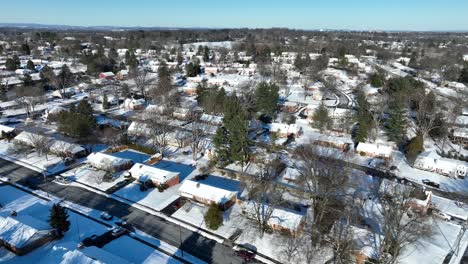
x,y
56,146
460,132
290,174
20,229
461,120
376,149
205,191
279,217
107,74
145,172
7,129
212,119
283,128
104,161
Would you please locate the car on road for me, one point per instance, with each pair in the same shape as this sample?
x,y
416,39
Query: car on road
x,y
106,216
246,255
62,180
118,231
442,215
431,183
125,225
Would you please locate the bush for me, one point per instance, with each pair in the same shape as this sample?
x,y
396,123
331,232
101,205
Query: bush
x,y
362,153
162,187
214,217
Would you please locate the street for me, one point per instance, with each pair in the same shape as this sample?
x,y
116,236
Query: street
x,y
203,248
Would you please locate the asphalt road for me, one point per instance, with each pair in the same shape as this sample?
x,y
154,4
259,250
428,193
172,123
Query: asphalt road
x,y
203,248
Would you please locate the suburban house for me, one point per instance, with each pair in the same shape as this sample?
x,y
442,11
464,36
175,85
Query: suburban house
x,y
211,119
122,75
146,173
284,130
23,233
290,174
460,136
283,220
134,104
374,150
291,107
430,161
57,147
420,200
107,75
181,113
207,194
103,161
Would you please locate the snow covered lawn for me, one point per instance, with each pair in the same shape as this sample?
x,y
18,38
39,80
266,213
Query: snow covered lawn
x,y
95,178
151,198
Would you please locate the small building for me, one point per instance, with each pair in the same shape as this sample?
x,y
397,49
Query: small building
x,y
284,130
122,75
23,233
281,219
207,194
103,161
211,119
430,161
107,75
134,104
290,174
181,113
460,136
159,177
374,150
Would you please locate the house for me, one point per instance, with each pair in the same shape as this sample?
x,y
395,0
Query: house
x,y
421,200
107,75
211,70
211,119
456,86
23,233
122,75
430,161
284,130
374,150
181,113
290,174
190,89
281,219
103,161
207,194
134,104
460,136
146,173
291,107
57,147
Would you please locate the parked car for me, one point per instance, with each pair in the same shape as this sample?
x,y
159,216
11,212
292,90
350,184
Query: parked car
x,y
106,216
118,231
62,180
125,225
431,183
442,215
245,255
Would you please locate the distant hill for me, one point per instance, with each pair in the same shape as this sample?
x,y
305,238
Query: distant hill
x,y
68,27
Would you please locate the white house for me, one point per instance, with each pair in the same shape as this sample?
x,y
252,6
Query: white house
x,y
159,177
134,104
56,146
374,150
430,161
207,194
108,162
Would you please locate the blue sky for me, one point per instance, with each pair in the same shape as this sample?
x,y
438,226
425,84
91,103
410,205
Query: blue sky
x,y
300,14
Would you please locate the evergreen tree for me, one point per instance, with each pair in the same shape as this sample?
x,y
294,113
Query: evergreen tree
x,y
214,217
376,80
414,147
231,140
85,109
266,96
105,102
396,124
25,49
113,54
464,74
12,64
125,90
28,81
363,117
206,54
58,219
30,66
322,119
180,59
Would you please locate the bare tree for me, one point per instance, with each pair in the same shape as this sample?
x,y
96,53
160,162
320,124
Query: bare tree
x,y
292,247
29,98
265,195
141,81
426,114
159,129
400,225
40,142
324,180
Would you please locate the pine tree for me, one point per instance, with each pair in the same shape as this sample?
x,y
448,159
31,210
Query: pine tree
x,y
266,98
105,102
396,124
58,219
30,66
414,147
321,118
214,217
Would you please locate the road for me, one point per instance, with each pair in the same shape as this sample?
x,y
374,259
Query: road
x,y
203,248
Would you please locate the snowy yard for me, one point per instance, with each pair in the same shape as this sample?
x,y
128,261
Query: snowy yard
x,y
95,178
151,198
122,250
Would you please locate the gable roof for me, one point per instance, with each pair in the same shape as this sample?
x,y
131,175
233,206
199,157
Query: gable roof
x,y
205,191
18,230
145,172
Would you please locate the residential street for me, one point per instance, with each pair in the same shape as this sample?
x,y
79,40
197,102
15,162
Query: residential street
x,y
205,249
